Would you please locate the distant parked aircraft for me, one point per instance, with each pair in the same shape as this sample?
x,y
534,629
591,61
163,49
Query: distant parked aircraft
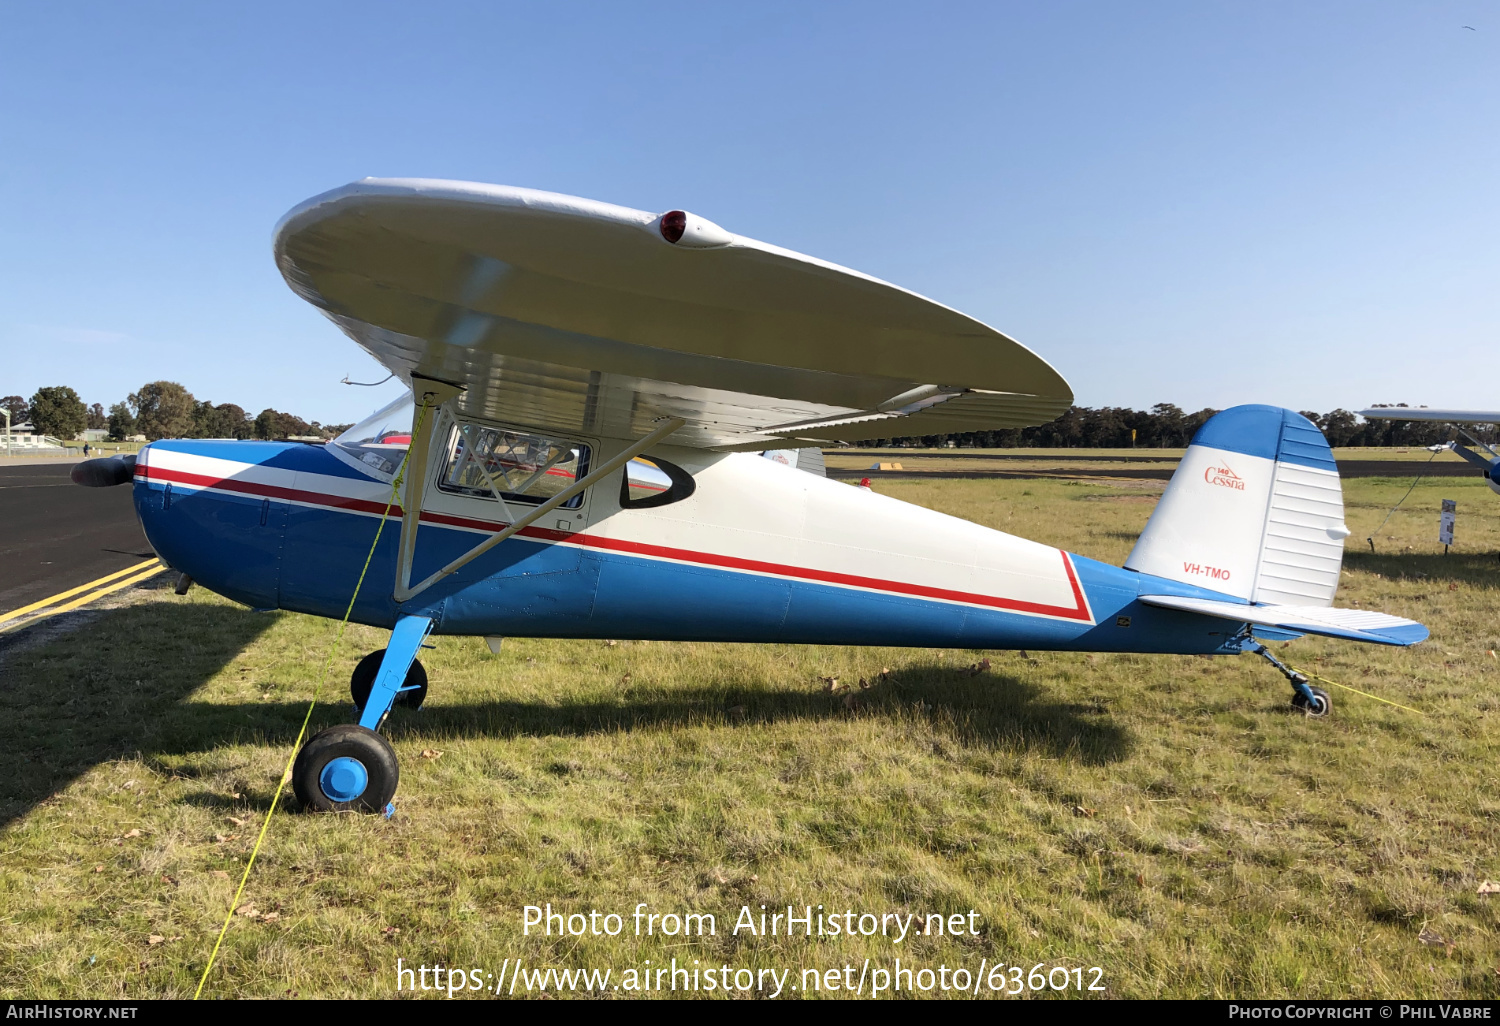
x,y
1488,466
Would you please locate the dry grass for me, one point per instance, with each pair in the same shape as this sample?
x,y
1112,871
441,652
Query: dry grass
x,y
1165,818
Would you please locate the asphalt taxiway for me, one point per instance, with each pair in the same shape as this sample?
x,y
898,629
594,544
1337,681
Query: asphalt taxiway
x,y
55,535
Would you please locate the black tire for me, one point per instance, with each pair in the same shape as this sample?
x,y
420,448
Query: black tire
x,y
346,741
1323,706
363,679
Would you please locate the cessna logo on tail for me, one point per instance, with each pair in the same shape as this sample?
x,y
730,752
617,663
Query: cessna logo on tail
x,y
1223,476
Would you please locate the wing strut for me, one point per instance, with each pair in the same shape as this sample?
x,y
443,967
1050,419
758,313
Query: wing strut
x,y
405,590
429,397
1471,457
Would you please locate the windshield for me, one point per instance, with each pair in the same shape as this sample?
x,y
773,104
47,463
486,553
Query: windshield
x,y
381,439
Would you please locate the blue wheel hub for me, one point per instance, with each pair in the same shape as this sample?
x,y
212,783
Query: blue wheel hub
x,y
344,779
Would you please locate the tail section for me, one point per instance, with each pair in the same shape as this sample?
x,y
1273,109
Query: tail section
x,y
1254,511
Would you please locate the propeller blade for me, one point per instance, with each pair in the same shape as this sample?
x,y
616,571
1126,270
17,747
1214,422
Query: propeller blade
x,y
105,472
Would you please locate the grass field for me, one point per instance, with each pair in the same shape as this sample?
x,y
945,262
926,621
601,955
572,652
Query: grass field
x,y
1168,819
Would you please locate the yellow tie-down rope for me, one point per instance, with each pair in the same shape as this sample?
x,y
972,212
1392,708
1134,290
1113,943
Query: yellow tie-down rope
x,y
286,773
1325,680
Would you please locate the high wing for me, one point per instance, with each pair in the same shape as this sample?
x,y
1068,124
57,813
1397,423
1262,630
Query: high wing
x,y
577,316
1423,413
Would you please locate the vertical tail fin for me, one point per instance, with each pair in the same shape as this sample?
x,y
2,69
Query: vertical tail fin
x,y
1255,510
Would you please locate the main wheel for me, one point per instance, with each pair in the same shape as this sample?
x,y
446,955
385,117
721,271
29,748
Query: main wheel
x,y
346,768
363,679
1321,704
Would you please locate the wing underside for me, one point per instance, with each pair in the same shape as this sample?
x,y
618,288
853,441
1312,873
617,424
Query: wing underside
x,y
578,316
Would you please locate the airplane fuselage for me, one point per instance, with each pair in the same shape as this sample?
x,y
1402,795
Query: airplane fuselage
x,y
759,553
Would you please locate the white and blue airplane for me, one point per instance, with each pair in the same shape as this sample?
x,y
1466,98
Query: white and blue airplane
x,y
1488,463
594,391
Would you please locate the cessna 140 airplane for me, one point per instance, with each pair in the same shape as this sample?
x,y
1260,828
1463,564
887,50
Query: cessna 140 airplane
x,y
1488,466
593,389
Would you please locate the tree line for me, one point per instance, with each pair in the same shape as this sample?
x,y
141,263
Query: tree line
x,y
165,409
158,409
1167,427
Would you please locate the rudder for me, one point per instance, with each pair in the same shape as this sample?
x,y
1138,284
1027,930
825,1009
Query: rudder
x,y
1255,510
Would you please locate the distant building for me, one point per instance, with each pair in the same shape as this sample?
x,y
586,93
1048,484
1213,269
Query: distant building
x,y
23,438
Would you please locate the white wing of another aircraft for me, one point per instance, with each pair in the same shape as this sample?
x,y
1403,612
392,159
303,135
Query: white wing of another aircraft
x,y
1423,413
1488,465
572,315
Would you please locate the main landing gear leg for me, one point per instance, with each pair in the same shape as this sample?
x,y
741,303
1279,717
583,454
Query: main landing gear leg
x,y
1312,701
406,641
351,767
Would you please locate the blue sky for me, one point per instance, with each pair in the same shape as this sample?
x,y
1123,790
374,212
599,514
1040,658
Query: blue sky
x,y
1199,203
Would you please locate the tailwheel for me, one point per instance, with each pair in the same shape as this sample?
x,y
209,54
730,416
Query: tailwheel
x,y
1306,698
346,768
413,690
1319,704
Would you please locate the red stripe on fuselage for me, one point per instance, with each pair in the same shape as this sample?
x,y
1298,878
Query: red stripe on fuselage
x,y
1079,611
230,484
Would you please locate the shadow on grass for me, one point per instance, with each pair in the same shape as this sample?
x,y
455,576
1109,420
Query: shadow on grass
x,y
987,711
121,685
1481,568
109,688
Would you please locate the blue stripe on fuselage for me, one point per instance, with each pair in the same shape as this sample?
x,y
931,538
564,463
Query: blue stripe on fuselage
x,y
306,457
231,544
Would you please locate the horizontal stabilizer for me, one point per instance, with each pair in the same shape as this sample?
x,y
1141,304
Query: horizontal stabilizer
x,y
1354,624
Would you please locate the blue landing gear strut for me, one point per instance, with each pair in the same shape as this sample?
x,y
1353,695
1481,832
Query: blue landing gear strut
x,y
400,654
1310,700
397,664
351,767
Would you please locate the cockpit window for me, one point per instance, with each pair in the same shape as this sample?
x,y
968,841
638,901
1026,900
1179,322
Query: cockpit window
x,y
379,442
515,465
